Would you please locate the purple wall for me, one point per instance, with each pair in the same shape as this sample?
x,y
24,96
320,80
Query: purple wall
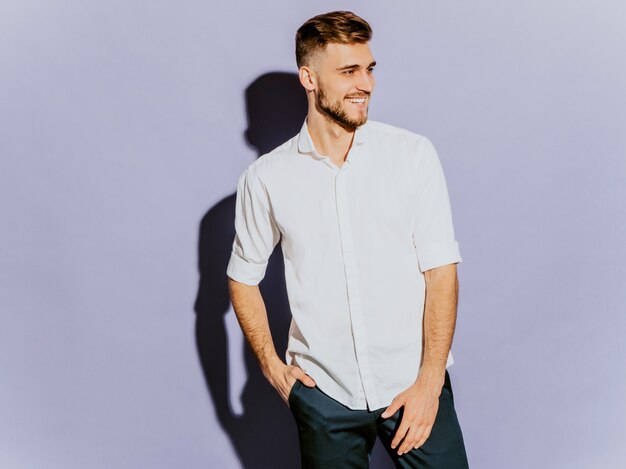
x,y
121,140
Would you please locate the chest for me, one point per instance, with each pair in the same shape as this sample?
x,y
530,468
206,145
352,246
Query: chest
x,y
315,201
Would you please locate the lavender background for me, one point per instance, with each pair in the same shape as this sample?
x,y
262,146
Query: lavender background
x,y
121,139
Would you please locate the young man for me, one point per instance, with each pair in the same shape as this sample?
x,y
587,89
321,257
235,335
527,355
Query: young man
x,y
362,213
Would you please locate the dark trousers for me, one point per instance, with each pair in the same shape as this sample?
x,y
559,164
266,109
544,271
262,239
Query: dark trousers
x,y
334,436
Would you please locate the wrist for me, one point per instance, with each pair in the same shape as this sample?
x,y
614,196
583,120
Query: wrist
x,y
432,374
271,366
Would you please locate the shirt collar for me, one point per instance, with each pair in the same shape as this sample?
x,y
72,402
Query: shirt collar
x,y
305,144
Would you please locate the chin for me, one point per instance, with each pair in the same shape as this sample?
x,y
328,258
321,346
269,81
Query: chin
x,y
361,120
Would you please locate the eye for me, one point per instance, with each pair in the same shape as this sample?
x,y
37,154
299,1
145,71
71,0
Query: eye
x,y
370,70
348,72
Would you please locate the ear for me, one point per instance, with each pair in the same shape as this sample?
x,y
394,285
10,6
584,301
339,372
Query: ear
x,y
307,78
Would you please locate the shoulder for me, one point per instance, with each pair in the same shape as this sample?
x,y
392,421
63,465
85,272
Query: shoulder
x,y
397,135
270,162
416,147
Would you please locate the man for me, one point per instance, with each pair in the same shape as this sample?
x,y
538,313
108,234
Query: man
x,y
362,213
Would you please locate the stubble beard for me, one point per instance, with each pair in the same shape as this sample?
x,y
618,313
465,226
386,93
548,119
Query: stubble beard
x,y
336,112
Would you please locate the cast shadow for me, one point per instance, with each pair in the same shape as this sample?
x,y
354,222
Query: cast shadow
x,y
265,435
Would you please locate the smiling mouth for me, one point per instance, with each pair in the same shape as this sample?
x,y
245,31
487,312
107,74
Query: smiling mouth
x,y
357,100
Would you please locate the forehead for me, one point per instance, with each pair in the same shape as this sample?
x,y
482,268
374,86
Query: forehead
x,y
339,55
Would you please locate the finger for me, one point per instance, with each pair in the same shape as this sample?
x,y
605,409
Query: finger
x,y
300,375
393,408
400,433
408,442
418,440
422,439
308,381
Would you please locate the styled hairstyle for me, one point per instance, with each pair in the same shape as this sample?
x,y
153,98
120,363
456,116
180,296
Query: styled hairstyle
x,y
343,27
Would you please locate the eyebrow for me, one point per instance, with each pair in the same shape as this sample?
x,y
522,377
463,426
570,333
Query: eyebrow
x,y
348,67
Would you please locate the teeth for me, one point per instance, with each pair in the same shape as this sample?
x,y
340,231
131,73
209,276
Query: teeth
x,y
360,100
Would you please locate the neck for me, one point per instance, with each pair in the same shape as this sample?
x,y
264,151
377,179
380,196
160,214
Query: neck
x,y
329,137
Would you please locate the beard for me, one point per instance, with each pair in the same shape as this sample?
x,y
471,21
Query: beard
x,y
336,111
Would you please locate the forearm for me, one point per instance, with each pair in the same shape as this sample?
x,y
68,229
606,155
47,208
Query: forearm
x,y
439,320
252,316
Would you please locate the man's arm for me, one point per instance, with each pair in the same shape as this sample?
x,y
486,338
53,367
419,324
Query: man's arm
x,y
252,316
421,400
442,293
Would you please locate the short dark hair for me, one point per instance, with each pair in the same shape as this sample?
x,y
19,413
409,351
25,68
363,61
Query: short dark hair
x,y
343,27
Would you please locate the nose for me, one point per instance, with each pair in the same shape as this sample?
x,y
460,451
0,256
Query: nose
x,y
366,81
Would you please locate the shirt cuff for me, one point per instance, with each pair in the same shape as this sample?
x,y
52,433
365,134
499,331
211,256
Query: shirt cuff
x,y
433,255
244,271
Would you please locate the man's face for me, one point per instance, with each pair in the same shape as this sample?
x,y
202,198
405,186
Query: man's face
x,y
345,83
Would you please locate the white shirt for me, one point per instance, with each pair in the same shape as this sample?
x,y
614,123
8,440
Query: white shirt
x,y
356,241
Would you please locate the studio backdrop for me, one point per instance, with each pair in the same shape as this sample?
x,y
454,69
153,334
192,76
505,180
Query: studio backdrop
x,y
124,126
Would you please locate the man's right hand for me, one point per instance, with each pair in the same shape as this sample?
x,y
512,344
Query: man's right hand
x,y
283,378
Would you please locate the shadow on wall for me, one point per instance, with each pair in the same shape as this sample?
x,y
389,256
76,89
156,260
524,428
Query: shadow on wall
x,y
265,435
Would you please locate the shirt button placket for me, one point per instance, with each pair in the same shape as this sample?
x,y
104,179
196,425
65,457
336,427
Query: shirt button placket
x,y
354,297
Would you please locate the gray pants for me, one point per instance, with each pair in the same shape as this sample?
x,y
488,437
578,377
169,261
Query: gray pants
x,y
334,436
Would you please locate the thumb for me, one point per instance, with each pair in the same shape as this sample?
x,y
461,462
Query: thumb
x,y
302,376
308,381
392,409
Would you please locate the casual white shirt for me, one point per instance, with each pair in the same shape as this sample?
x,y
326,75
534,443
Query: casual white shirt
x,y
356,241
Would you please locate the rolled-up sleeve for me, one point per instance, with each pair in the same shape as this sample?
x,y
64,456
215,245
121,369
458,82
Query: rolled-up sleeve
x,y
256,233
433,230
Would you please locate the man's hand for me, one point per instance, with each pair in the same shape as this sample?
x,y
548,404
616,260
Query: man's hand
x,y
421,403
283,378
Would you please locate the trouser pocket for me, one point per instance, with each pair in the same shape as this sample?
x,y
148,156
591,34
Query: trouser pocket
x,y
292,391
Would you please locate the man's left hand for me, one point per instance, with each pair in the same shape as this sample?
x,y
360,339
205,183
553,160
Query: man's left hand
x,y
420,402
